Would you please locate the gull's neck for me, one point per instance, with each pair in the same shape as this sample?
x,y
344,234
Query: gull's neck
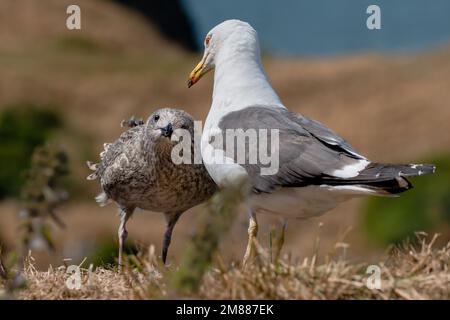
x,y
240,81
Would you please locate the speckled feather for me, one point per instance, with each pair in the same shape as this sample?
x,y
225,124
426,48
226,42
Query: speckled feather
x,y
136,170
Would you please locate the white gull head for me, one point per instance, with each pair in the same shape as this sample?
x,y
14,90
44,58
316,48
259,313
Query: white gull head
x,y
232,49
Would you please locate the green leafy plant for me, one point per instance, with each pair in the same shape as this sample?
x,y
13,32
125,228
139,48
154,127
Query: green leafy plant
x,y
23,126
42,195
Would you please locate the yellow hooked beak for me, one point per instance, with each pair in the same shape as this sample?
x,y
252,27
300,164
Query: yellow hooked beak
x,y
199,71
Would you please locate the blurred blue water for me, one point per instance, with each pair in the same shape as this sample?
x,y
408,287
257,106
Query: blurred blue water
x,y
330,27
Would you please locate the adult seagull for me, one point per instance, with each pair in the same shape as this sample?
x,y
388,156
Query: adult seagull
x,y
317,168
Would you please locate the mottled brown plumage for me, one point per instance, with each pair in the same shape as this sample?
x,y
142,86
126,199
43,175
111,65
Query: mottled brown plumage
x,y
137,171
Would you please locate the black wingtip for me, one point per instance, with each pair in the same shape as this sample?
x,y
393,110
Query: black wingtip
x,y
423,169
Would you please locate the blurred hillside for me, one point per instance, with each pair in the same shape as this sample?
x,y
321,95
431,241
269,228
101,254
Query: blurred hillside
x,y
391,108
169,18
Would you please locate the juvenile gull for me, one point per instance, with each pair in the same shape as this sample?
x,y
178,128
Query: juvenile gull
x,y
317,168
137,171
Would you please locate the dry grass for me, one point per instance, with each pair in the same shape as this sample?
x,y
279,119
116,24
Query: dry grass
x,y
411,271
408,273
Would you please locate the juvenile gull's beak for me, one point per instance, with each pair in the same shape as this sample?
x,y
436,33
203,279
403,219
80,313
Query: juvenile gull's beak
x,y
167,131
199,71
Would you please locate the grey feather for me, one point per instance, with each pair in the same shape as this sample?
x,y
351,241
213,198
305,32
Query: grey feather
x,y
303,157
310,154
322,133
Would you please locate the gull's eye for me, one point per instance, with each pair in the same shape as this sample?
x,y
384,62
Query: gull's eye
x,y
156,117
207,40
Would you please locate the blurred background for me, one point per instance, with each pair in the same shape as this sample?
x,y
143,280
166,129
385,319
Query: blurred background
x,y
386,91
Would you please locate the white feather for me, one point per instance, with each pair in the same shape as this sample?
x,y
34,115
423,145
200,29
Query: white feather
x,y
350,171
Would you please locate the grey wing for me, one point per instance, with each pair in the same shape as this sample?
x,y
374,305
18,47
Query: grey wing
x,y
324,134
304,158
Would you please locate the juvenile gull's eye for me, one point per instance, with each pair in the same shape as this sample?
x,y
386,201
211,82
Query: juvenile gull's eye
x,y
156,117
